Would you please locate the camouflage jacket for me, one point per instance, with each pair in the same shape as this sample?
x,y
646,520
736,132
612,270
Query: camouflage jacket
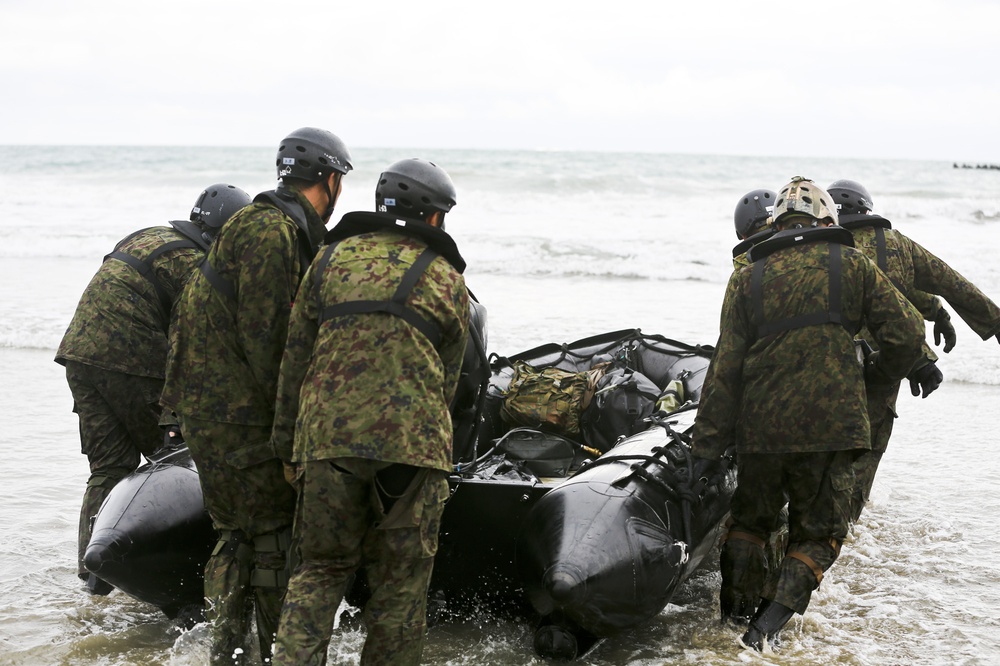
x,y
121,321
371,385
914,269
898,260
801,390
225,349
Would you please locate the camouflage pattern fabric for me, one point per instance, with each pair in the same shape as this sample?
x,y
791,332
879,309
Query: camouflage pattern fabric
x,y
927,273
546,398
918,274
115,350
882,416
224,355
372,385
740,261
119,323
754,385
817,488
118,424
794,404
245,494
744,567
340,526
221,380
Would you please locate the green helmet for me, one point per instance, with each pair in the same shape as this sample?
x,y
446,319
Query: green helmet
x,y
802,196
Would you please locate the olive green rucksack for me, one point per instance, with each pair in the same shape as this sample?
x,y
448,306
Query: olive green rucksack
x,y
549,399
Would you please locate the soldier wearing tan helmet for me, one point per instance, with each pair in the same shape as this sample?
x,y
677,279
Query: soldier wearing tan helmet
x,y
786,389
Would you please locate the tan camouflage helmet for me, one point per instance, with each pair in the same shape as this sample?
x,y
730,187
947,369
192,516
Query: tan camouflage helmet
x,y
802,196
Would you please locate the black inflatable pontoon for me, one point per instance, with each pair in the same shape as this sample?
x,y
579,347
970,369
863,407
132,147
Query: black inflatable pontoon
x,y
589,553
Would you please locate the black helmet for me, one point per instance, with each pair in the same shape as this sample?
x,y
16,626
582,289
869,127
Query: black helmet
x,y
414,188
753,212
311,155
217,204
851,197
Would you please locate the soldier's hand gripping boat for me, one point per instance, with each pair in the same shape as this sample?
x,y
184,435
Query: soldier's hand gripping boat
x,y
583,543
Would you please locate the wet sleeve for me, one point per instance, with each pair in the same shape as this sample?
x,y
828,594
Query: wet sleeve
x,y
715,426
897,326
933,275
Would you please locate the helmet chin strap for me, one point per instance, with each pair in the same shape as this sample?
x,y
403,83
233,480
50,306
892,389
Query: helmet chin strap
x,y
331,200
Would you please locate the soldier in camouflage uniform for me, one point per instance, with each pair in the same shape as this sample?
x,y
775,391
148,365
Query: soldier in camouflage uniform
x,y
752,218
919,275
375,345
222,379
115,347
786,388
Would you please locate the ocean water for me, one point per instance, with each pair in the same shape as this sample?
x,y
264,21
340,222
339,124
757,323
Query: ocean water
x,y
559,246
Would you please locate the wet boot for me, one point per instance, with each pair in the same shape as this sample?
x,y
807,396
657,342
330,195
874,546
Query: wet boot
x,y
744,569
766,623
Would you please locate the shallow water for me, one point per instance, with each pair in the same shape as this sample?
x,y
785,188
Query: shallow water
x,y
590,243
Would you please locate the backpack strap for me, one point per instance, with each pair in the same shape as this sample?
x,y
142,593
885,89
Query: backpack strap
x,y
832,315
286,202
292,209
145,266
221,284
394,306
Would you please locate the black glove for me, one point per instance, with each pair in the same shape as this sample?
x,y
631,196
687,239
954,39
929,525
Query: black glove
x,y
172,437
943,328
926,378
705,468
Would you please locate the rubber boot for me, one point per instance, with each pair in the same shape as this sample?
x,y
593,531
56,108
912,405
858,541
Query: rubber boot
x,y
766,623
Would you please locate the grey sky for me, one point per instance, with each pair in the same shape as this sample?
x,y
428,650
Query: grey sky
x,y
886,79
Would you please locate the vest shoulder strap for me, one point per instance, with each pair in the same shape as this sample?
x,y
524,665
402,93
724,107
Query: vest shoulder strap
x,y
834,313
395,306
145,266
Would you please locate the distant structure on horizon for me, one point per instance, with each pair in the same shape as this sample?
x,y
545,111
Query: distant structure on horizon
x,y
978,166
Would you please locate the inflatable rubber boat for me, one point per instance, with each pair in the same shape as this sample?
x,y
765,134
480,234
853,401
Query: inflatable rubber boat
x,y
586,544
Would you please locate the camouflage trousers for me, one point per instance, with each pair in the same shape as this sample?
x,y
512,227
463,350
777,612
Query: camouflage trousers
x,y
818,488
118,425
252,507
340,525
882,417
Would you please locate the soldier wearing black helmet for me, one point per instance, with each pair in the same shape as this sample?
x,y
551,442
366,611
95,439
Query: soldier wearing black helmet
x,y
222,378
919,275
375,346
115,348
752,218
786,390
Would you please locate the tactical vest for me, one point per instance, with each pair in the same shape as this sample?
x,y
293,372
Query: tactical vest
x,y
744,245
470,396
834,237
357,223
286,202
395,306
879,224
144,265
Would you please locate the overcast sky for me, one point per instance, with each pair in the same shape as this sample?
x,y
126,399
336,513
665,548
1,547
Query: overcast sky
x,y
884,79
